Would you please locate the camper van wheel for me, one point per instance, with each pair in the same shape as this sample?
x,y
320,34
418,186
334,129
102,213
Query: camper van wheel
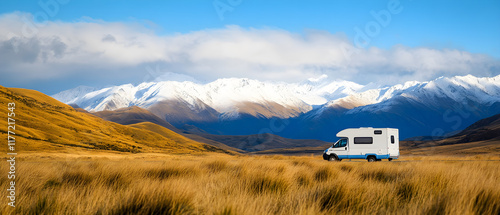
x,y
333,158
371,159
390,159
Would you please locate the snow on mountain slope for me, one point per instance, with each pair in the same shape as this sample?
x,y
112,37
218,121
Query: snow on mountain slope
x,y
458,88
227,95
462,88
232,96
373,96
72,94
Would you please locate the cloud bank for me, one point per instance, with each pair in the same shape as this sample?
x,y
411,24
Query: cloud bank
x,y
108,52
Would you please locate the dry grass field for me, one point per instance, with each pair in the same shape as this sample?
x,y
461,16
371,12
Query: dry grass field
x,y
224,184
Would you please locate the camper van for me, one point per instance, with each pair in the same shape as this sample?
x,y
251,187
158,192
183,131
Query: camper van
x,y
372,144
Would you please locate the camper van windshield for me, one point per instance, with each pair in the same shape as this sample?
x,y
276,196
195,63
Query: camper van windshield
x,y
340,143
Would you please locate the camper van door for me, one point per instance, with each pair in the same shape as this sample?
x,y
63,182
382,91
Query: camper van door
x,y
341,148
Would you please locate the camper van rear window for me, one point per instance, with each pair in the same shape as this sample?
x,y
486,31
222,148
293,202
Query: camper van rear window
x,y
363,140
392,139
378,132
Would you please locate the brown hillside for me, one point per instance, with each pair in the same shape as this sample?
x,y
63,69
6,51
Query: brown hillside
x,y
78,108
135,115
45,124
485,129
179,112
482,137
268,110
167,133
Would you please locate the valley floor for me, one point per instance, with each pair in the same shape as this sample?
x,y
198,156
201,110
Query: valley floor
x,y
118,183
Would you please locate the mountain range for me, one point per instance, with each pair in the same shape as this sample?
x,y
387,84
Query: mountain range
x,y
45,124
314,109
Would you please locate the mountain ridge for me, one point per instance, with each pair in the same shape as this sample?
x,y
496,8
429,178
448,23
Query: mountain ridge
x,y
245,106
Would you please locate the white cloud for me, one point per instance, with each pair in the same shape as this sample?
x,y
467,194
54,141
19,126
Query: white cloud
x,y
321,77
111,50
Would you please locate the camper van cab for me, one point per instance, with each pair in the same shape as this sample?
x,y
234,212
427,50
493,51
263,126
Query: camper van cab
x,y
372,144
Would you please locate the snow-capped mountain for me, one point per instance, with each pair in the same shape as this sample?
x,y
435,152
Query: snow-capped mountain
x,y
458,88
226,96
432,108
313,109
73,94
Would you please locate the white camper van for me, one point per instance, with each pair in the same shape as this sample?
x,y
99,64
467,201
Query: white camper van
x,y
372,144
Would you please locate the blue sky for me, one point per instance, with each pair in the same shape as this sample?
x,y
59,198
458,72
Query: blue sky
x,y
472,27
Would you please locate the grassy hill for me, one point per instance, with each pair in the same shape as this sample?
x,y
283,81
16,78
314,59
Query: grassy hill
x,y
167,133
137,115
485,129
45,124
133,115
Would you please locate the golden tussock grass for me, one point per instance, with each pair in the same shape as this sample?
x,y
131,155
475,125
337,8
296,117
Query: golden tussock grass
x,y
218,184
45,124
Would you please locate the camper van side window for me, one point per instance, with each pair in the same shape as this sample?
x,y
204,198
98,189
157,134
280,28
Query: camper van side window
x,y
392,139
377,132
363,140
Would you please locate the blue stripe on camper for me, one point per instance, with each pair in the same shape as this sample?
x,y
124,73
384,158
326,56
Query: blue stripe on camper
x,y
363,156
